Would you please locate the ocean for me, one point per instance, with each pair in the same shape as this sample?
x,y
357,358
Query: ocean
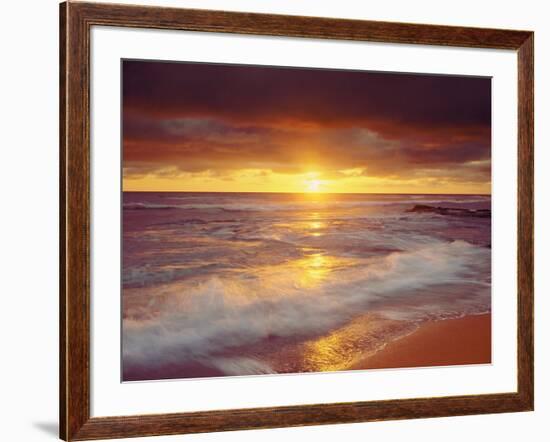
x,y
233,284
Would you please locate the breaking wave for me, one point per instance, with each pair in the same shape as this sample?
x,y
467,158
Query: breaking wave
x,y
201,321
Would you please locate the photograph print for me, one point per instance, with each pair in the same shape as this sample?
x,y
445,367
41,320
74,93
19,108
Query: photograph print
x,y
280,220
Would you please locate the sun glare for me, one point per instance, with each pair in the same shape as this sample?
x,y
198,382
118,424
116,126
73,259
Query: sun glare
x,y
313,185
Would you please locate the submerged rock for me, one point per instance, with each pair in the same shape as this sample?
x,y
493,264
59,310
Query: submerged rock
x,y
477,213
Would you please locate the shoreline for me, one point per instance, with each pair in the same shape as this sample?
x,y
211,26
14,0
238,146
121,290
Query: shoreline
x,y
461,341
439,343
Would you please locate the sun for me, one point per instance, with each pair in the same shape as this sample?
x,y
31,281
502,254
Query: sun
x,y
313,185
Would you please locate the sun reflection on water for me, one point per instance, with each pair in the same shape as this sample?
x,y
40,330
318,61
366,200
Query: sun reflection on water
x,y
315,225
341,348
329,354
313,228
313,269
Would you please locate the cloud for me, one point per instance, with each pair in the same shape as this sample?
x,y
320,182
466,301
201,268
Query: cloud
x,y
188,118
313,96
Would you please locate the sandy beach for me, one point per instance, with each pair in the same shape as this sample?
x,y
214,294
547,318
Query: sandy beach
x,y
437,343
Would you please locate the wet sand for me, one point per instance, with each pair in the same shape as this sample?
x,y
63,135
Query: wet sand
x,y
438,343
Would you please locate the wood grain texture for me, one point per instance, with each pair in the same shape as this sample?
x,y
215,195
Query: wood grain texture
x,y
76,20
526,163
180,423
299,26
62,224
75,214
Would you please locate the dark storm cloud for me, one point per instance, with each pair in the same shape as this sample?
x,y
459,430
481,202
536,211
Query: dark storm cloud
x,y
250,93
221,117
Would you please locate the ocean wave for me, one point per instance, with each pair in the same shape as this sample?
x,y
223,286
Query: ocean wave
x,y
235,366
202,321
150,275
291,206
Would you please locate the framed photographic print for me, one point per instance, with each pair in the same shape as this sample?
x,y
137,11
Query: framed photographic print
x,y
273,221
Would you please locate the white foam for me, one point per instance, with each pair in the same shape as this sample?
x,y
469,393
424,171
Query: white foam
x,y
198,321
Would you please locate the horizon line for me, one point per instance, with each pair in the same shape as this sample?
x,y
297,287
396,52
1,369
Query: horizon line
x,y
307,193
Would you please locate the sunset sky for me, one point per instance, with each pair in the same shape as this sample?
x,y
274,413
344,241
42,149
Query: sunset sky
x,y
234,128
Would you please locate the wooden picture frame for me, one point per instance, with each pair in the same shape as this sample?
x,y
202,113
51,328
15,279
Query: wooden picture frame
x,y
76,20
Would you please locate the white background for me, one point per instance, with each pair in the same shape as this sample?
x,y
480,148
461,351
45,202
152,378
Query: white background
x,y
112,398
28,225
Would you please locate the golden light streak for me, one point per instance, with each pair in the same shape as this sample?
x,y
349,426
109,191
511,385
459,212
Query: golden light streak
x,y
313,183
